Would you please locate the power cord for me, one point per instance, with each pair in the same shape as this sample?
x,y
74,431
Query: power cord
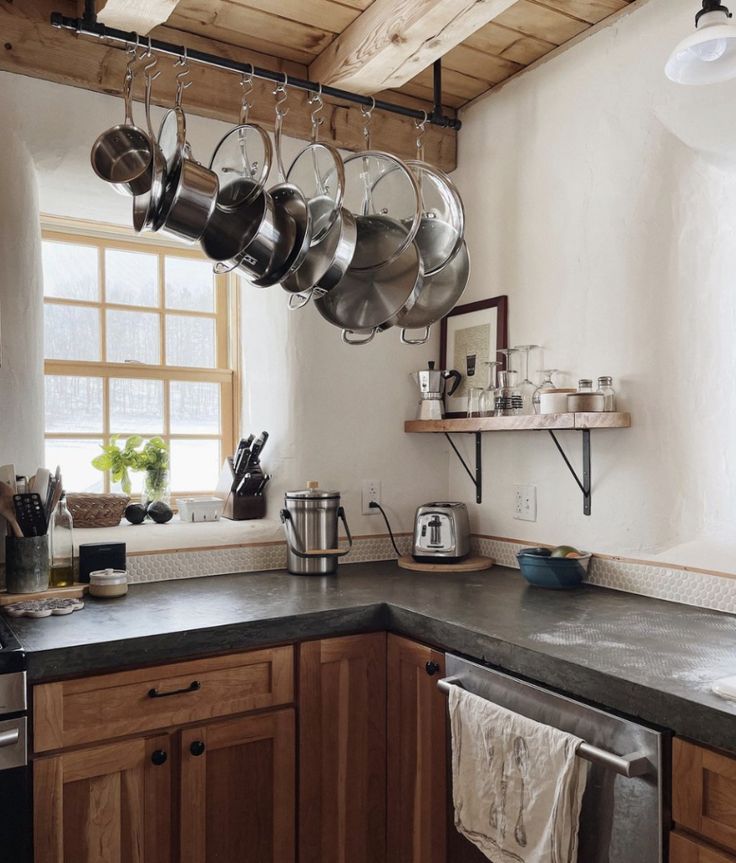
x,y
375,505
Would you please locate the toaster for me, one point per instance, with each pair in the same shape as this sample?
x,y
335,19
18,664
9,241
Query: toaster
x,y
441,533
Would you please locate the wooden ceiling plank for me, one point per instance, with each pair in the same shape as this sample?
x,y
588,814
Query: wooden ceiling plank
x,y
478,64
224,17
527,50
454,83
324,14
135,16
510,44
541,22
591,11
393,40
424,93
32,47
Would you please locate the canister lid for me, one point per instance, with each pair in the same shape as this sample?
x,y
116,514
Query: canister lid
x,y
108,576
312,492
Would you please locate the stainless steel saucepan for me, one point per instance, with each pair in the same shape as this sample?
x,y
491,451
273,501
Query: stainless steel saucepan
x,y
122,155
147,206
189,199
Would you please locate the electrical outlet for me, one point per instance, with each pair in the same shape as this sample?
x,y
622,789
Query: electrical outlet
x,y
371,492
525,502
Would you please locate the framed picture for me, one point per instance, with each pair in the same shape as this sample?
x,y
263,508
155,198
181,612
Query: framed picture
x,y
469,337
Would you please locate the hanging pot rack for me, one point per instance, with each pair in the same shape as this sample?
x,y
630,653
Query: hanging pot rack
x,y
89,26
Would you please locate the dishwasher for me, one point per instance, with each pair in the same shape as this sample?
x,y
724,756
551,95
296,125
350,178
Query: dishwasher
x,y
625,811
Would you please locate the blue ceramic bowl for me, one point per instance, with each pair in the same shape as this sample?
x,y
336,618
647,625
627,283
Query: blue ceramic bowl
x,y
555,573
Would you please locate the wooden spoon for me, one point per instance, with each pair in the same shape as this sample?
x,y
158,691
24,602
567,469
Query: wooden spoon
x,y
7,509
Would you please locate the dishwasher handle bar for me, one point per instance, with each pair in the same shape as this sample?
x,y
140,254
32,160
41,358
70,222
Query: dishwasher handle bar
x,y
629,766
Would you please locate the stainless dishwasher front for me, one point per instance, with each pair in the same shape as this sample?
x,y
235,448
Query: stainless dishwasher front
x,y
623,818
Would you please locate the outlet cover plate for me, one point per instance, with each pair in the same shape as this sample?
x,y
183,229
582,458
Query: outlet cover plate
x,y
371,491
525,502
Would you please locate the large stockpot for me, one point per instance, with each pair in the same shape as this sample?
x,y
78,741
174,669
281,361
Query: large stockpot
x,y
252,237
310,518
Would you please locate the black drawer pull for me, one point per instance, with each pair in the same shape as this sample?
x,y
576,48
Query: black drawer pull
x,y
159,757
432,668
197,747
193,687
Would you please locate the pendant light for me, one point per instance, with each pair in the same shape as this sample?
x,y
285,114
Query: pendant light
x,y
707,56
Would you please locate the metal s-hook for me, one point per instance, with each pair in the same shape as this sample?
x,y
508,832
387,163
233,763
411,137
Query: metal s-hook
x,y
153,62
367,114
421,127
281,96
246,82
181,83
316,100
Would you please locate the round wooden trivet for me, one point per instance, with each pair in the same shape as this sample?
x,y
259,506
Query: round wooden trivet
x,y
474,563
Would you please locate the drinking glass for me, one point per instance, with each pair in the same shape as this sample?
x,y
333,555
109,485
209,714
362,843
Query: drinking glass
x,y
547,384
526,387
474,401
509,401
488,396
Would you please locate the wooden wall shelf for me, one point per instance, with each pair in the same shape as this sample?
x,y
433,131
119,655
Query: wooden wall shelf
x,y
540,422
582,422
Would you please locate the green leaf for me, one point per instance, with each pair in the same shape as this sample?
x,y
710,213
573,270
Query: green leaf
x,y
133,442
102,462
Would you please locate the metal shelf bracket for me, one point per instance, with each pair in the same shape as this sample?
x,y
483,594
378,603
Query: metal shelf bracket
x,y
586,486
477,478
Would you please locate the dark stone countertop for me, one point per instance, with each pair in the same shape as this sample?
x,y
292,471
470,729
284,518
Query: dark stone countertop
x,y
646,658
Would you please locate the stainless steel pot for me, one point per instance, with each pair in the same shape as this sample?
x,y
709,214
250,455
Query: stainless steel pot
x,y
310,518
364,300
189,200
147,206
288,199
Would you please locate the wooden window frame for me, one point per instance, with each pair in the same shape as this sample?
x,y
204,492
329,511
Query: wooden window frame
x,y
225,315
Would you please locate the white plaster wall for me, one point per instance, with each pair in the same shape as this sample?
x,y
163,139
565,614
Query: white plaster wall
x,y
21,311
335,413
602,199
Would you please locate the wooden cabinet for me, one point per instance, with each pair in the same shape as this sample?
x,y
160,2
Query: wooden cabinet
x,y
417,754
107,804
342,750
704,792
237,790
686,849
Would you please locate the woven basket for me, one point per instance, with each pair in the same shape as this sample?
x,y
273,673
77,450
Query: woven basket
x,y
97,510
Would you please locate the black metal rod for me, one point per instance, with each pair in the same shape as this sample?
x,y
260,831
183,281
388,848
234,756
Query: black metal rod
x,y
437,87
567,462
89,27
586,485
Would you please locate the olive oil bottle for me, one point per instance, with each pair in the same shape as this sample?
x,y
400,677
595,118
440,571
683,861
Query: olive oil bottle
x,y
62,546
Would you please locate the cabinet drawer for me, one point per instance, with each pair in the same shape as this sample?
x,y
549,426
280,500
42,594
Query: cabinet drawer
x,y
90,709
704,792
685,849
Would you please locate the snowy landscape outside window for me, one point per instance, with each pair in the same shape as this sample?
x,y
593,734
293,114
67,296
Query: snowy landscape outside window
x,y
137,340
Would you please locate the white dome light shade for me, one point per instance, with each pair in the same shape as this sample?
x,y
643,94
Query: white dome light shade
x,y
707,56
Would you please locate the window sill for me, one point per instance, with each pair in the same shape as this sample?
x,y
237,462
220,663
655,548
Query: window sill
x,y
150,538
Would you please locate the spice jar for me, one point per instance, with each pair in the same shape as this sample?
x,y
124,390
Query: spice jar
x,y
605,388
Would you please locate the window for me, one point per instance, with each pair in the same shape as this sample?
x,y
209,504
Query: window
x,y
137,340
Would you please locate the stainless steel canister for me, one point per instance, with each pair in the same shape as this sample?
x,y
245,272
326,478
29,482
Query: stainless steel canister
x,y
310,518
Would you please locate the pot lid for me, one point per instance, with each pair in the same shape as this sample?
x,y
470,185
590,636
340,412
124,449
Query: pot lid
x,y
312,492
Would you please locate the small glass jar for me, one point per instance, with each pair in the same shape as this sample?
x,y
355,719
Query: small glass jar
x,y
509,402
585,385
605,388
474,402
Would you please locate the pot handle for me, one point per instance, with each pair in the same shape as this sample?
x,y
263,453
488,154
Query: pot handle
x,y
456,376
302,299
348,341
422,341
321,552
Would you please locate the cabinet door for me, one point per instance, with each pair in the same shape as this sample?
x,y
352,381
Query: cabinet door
x,y
108,804
704,792
237,790
342,750
685,849
417,754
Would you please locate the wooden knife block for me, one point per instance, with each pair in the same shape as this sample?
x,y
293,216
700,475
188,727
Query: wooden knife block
x,y
238,507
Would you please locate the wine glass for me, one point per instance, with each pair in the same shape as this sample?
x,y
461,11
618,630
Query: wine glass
x,y
488,396
526,387
547,384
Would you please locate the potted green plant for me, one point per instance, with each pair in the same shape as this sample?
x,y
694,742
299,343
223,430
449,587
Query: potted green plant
x,y
152,459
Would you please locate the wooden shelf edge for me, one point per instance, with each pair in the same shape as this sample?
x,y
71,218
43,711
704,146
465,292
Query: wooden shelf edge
x,y
559,422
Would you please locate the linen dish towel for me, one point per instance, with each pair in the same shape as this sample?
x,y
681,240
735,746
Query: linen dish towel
x,y
517,785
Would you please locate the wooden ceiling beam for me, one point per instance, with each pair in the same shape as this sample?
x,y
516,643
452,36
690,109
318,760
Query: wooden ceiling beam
x,y
31,46
134,16
395,40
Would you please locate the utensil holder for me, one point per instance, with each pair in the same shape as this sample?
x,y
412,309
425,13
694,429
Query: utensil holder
x,y
27,564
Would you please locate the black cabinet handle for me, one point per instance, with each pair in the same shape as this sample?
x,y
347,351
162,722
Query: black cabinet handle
x,y
432,668
193,687
197,747
159,757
